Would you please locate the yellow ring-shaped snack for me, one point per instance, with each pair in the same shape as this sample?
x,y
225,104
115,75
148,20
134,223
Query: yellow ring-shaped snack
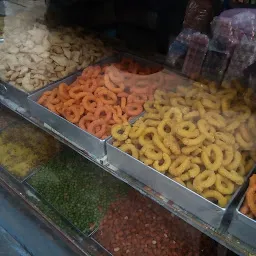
x,y
199,106
171,142
130,149
179,165
163,167
193,142
235,162
163,110
246,112
149,107
149,131
206,157
173,114
241,170
228,154
178,102
194,170
120,131
151,152
206,129
233,125
185,176
189,149
191,115
159,105
197,160
136,131
186,129
204,180
157,141
161,128
224,185
189,185
225,137
246,145
245,133
154,116
146,160
209,193
161,96
232,175
215,119
196,152
152,123
212,104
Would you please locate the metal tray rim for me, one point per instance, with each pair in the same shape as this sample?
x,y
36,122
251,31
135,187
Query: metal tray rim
x,y
171,180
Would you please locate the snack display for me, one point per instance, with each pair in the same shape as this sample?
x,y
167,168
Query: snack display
x,y
201,136
79,190
103,96
249,206
135,225
33,56
23,147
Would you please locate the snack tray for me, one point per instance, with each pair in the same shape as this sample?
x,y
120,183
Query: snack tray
x,y
187,199
14,94
243,227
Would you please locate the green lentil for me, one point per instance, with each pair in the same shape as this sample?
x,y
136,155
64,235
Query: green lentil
x,y
78,189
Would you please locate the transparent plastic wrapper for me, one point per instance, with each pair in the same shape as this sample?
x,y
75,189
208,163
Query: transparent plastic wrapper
x,y
198,15
215,65
178,49
197,50
244,55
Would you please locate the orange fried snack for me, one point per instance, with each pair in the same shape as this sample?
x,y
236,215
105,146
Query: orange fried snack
x,y
103,96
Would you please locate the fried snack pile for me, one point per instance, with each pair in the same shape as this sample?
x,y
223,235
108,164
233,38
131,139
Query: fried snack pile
x,y
101,97
249,205
33,56
200,136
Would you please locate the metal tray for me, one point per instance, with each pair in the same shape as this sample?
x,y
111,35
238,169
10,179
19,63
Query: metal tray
x,y
14,94
81,138
172,190
243,227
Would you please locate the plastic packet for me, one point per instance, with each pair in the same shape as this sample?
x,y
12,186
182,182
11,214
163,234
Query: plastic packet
x,y
198,15
197,50
178,49
244,55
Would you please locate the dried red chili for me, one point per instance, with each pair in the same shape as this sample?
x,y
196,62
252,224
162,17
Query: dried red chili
x,y
138,226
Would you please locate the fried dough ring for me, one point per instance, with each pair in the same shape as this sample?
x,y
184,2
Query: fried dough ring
x,y
72,114
235,162
98,114
192,142
151,152
187,129
97,123
146,160
179,165
189,149
231,175
206,129
136,131
130,149
107,97
83,122
120,132
210,193
149,107
148,131
157,141
152,123
116,88
215,119
162,167
161,128
204,180
173,114
242,142
133,109
191,115
224,185
206,154
171,142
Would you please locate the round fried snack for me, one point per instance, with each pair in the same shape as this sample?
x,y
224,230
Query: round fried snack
x,y
222,201
224,185
120,131
204,180
130,149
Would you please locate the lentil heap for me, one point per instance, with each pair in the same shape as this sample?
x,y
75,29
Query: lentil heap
x,y
23,147
78,189
138,226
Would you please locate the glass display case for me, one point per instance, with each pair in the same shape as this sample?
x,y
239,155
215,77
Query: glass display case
x,y
115,152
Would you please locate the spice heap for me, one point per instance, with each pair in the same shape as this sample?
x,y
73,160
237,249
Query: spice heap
x,y
138,226
103,96
78,189
23,147
201,136
249,205
7,117
32,56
